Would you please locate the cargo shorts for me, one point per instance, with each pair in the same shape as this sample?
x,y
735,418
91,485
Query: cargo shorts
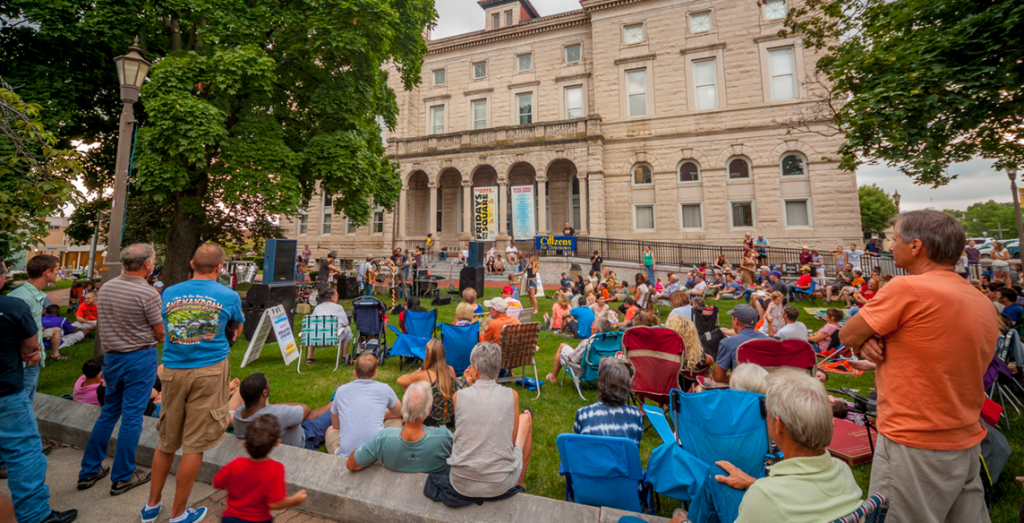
x,y
194,413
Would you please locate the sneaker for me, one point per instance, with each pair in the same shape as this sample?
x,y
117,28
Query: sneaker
x,y
120,487
89,482
191,515
149,515
61,517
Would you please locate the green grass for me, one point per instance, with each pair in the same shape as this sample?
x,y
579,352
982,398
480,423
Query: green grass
x,y
554,412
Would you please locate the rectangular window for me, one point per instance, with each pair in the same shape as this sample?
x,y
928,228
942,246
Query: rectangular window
x,y
705,83
439,77
573,53
508,17
377,227
328,210
774,9
742,214
782,68
636,92
437,119
303,219
574,102
350,228
524,62
496,20
633,34
440,209
480,70
797,214
479,114
700,22
644,217
525,104
691,216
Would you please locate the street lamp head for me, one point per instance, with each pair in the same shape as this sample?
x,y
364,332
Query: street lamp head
x,y
1011,174
132,69
896,199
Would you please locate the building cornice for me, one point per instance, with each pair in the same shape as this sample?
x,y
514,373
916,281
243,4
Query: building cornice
x,y
713,47
568,77
638,58
523,84
598,5
472,92
530,27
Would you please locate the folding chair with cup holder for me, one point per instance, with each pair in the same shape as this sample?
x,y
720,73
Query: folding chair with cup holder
x,y
518,345
603,471
320,331
420,328
458,344
602,345
656,355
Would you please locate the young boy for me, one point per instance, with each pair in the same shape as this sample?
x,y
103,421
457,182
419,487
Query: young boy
x,y
255,484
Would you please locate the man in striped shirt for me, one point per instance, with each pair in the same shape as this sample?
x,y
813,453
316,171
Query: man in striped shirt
x,y
131,324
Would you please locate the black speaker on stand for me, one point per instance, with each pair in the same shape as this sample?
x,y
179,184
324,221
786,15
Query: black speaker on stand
x,y
472,278
279,261
348,287
261,297
476,254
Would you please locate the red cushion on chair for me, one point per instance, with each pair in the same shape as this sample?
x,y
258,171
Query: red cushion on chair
x,y
775,353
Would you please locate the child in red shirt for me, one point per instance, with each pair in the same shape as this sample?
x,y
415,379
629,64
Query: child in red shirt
x,y
255,485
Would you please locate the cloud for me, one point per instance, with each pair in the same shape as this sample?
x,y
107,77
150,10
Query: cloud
x,y
462,16
976,182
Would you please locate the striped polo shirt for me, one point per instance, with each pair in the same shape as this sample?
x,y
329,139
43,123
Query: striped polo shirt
x,y
127,308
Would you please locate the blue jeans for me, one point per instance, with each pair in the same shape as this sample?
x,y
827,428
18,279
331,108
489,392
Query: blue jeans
x,y
130,377
715,502
367,288
30,379
21,450
650,274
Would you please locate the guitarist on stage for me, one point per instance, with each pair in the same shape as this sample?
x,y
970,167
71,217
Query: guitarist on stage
x,y
366,275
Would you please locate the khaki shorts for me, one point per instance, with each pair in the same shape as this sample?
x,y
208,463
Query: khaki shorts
x,y
194,414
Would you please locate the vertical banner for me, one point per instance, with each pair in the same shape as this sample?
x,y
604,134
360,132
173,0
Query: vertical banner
x,y
485,213
524,221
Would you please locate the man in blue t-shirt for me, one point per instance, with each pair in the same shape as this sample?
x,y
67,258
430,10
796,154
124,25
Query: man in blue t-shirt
x,y
1012,311
582,318
194,412
744,317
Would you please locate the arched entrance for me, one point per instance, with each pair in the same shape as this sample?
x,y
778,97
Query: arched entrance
x,y
520,174
564,191
418,205
449,203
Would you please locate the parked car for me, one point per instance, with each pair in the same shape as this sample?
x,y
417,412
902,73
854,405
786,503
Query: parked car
x,y
1011,245
981,241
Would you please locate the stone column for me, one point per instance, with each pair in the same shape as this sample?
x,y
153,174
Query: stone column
x,y
502,211
432,213
467,212
542,213
584,206
595,185
403,203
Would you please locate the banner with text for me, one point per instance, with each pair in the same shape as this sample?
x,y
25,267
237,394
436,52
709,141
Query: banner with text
x,y
524,221
485,213
555,243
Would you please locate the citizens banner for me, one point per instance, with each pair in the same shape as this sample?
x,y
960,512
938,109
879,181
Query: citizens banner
x,y
485,213
524,221
555,243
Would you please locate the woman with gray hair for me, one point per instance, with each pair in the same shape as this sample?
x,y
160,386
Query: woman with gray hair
x,y
492,444
610,416
749,377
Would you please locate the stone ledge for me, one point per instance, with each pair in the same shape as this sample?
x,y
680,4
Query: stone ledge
x,y
374,494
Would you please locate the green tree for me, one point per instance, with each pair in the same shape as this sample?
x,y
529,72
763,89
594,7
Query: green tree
x,y
920,84
983,219
876,208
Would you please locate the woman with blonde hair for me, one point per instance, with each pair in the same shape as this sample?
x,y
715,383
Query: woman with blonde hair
x,y
695,359
441,378
747,267
559,310
464,314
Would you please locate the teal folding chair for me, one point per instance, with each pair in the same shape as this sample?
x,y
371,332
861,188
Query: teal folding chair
x,y
320,331
603,345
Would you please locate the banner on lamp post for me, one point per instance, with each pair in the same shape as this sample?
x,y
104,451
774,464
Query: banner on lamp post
x,y
485,213
524,221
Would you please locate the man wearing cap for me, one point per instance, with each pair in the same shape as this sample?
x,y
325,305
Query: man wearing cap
x,y
805,256
327,269
803,283
497,309
508,293
744,317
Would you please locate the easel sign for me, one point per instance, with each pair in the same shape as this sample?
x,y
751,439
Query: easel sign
x,y
272,318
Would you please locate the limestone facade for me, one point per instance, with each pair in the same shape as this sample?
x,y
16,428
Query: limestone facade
x,y
698,96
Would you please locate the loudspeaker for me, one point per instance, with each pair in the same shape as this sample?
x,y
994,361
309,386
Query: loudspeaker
x,y
348,287
442,300
476,254
259,298
426,288
279,261
472,277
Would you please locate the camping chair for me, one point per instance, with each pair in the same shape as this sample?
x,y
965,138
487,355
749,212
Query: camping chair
x,y
320,331
370,318
602,471
602,345
656,355
657,418
526,315
997,380
706,321
458,344
873,510
774,354
835,351
799,295
420,328
518,344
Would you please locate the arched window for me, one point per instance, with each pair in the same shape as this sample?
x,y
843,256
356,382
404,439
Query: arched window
x,y
642,174
793,165
739,168
689,171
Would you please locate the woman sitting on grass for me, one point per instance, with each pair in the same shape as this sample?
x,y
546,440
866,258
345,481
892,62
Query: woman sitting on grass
x,y
441,378
559,310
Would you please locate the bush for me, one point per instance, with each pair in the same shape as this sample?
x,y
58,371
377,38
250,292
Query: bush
x,y
313,275
258,262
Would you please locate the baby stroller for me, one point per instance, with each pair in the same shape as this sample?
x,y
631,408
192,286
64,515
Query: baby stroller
x,y
369,316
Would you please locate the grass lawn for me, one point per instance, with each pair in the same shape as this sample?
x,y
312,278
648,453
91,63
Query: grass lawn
x,y
554,412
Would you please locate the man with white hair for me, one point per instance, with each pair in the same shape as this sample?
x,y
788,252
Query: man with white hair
x,y
413,448
808,486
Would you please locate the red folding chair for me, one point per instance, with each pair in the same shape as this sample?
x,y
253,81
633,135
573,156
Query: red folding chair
x,y
656,355
774,354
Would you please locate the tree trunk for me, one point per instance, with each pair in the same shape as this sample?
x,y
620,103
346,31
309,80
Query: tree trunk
x,y
182,241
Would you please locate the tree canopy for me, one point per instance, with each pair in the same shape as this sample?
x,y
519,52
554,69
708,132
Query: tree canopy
x,y
921,84
985,218
876,208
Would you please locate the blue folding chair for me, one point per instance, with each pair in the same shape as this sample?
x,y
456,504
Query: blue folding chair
x,y
657,418
603,345
458,344
602,471
419,330
799,295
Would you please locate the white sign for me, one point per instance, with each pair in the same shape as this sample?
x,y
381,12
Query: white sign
x,y
277,319
485,213
524,221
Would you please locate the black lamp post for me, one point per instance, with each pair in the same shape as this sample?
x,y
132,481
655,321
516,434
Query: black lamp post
x,y
1012,175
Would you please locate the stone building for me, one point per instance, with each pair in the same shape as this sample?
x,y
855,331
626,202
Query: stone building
x,y
665,120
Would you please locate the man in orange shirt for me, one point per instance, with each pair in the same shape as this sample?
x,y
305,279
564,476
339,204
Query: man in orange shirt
x,y
926,460
497,308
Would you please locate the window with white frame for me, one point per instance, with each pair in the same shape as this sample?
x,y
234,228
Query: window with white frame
x,y
700,22
691,216
496,20
774,9
739,168
573,53
643,217
439,77
742,214
524,62
377,225
782,69
479,111
797,213
303,219
350,227
480,70
642,174
793,165
633,34
325,219
508,17
574,102
524,102
689,171
437,119
440,210
705,83
636,92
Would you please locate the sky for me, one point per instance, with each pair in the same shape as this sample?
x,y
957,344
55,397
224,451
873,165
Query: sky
x,y
977,180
